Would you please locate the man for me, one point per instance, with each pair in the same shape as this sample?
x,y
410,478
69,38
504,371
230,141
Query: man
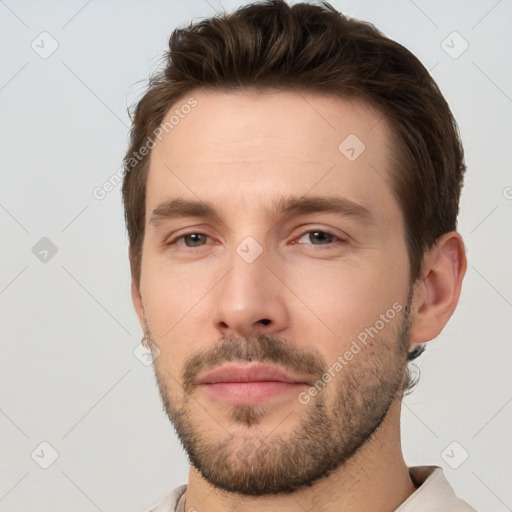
x,y
291,196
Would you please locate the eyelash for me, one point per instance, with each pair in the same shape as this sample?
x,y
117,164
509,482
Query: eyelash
x,y
324,231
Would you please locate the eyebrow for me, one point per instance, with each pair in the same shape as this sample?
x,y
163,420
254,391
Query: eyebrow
x,y
179,207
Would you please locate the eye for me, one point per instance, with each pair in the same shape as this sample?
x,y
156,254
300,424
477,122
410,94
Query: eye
x,y
195,239
315,237
325,238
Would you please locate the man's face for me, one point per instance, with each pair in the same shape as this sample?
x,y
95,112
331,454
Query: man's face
x,y
321,294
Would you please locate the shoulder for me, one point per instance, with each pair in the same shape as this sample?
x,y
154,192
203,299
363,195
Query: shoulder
x,y
433,493
171,500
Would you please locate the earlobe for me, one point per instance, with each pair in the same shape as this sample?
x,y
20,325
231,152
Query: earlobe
x,y
437,294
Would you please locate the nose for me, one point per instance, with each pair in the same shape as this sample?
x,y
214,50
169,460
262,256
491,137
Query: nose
x,y
250,300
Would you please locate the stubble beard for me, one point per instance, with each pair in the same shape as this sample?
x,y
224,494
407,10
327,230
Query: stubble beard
x,y
253,461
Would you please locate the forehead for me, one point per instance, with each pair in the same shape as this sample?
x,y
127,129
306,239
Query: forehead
x,y
232,122
272,143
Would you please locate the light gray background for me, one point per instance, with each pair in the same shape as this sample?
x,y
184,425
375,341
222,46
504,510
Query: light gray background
x,y
68,374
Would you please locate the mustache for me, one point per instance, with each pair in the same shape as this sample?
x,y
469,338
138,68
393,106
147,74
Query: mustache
x,y
262,348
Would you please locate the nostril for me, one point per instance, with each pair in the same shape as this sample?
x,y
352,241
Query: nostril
x,y
265,321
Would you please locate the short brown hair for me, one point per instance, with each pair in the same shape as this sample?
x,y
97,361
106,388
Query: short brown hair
x,y
317,49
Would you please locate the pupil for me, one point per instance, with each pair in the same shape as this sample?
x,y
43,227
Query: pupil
x,y
320,235
195,237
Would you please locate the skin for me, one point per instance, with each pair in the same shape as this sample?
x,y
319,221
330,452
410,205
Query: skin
x,y
240,152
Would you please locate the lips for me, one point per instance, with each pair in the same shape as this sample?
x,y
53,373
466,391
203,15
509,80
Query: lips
x,y
250,384
250,373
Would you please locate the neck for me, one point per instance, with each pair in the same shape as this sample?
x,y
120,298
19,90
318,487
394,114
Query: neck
x,y
375,479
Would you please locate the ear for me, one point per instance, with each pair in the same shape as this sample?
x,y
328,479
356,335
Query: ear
x,y
136,296
436,294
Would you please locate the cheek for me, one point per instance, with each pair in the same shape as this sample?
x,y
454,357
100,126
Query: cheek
x,y
171,297
341,300
170,289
